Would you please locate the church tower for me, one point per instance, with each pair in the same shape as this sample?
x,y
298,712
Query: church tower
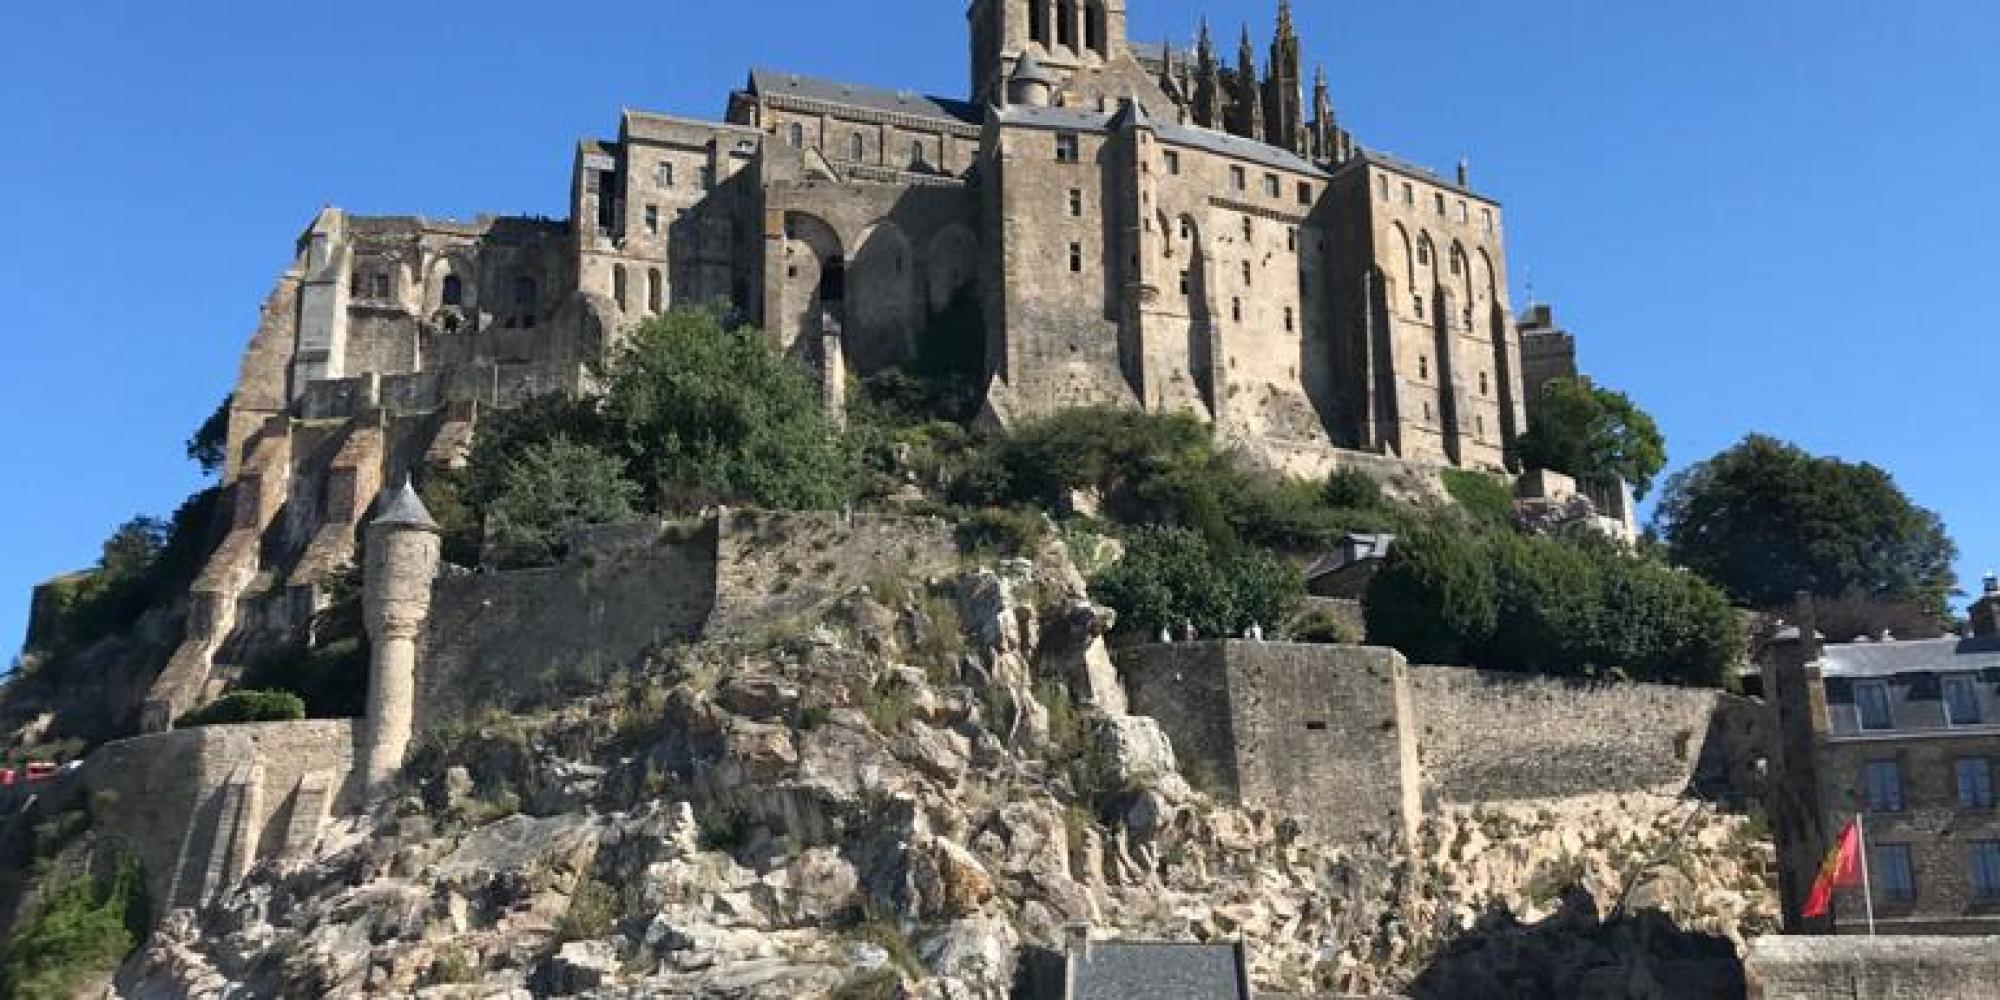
x,y
1284,92
1065,36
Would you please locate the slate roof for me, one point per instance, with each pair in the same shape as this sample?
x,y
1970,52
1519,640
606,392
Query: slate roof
x,y
405,509
855,95
1353,549
1087,120
1887,659
1117,970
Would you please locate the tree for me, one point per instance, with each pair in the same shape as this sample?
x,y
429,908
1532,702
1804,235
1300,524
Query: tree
x,y
1765,520
1588,432
209,446
1173,575
551,488
704,414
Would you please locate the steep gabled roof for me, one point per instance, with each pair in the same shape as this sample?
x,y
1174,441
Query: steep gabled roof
x,y
771,83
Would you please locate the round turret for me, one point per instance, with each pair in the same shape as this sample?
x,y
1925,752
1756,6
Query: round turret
x,y
402,562
1030,84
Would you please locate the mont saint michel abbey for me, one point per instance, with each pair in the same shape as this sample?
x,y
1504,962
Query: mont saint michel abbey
x,y
1141,226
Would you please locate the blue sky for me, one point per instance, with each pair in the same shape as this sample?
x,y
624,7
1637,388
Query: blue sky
x,y
1767,216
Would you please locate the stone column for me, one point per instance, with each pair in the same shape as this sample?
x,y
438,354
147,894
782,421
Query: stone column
x,y
403,558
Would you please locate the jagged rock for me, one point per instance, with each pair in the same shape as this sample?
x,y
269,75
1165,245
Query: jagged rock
x,y
1132,752
986,608
977,951
760,698
938,753
579,967
950,880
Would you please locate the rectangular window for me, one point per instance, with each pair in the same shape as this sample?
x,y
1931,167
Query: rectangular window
x,y
1173,162
1975,783
1461,213
1237,178
1292,239
666,175
1288,319
1184,283
1894,877
381,286
653,220
1871,704
1076,203
1068,149
1883,780
1439,199
1986,870
1486,219
796,135
1270,185
1961,700
1305,193
1187,228
1246,272
1076,258
1409,193
1382,187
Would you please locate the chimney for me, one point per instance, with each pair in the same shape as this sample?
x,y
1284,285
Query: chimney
x,y
1986,610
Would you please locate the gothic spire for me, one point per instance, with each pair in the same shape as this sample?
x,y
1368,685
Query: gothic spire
x,y
1325,126
1208,95
1249,92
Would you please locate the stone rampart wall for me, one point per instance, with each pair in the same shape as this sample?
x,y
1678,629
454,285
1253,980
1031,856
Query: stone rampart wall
x,y
1883,968
517,640
169,797
1488,736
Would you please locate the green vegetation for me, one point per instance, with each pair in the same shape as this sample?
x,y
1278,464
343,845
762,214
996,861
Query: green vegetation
x,y
330,673
549,488
146,562
81,930
1483,498
209,447
1765,520
1581,608
239,707
1590,433
593,911
1172,575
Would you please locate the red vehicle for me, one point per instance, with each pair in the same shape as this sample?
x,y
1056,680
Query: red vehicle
x,y
41,772
7,778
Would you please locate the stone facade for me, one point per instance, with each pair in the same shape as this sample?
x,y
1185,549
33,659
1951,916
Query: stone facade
x,y
1905,736
1359,745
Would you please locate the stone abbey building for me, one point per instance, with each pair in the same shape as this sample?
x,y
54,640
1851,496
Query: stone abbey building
x,y
1137,226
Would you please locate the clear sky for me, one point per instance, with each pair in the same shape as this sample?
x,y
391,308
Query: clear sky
x,y
1765,216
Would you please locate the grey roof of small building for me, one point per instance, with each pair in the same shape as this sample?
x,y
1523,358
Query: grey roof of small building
x,y
1193,136
1119,970
1887,659
405,509
1355,548
855,95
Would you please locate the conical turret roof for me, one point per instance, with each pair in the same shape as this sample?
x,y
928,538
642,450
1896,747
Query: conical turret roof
x,y
404,509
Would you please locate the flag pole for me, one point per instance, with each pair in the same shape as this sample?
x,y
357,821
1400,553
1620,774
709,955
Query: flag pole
x,y
1861,846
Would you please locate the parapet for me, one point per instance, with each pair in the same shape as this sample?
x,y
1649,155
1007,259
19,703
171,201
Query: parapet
x,y
1899,966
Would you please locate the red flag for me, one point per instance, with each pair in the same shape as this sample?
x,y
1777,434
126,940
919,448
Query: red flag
x,y
1842,869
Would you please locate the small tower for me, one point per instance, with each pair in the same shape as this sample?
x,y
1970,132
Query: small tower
x,y
402,562
1030,83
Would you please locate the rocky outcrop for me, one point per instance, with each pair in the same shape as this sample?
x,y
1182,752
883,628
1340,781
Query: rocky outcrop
x,y
905,794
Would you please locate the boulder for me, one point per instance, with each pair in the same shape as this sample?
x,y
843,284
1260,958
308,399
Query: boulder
x,y
1133,752
579,967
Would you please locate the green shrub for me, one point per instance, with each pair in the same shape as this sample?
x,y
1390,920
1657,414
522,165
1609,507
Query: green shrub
x,y
239,707
1320,625
593,911
551,488
1484,498
82,929
994,531
1174,575
332,681
146,562
1355,490
1580,608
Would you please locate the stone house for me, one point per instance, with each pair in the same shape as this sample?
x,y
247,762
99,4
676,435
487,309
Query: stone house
x,y
1905,735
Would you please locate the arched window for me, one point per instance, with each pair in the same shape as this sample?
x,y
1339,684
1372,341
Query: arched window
x,y
454,291
655,293
618,285
857,147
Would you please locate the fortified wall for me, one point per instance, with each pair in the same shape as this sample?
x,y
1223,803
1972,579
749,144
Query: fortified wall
x,y
1362,746
1899,967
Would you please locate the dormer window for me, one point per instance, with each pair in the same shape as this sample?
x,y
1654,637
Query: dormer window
x,y
1961,701
1871,705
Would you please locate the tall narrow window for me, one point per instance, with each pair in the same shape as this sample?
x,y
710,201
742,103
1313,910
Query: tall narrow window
x,y
1871,705
1424,366
1975,782
652,220
1382,188
1173,163
1305,193
1895,878
382,285
1076,258
1424,253
1184,283
1066,23
857,147
655,292
1246,273
1187,228
1249,228
1439,199
1093,27
1461,213
1486,219
1076,203
1236,310
618,285
1288,319
1420,307
1961,700
1409,194
796,135
454,291
666,174
1270,185
1485,385
1038,21
1986,870
1883,782
1292,239
1237,178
